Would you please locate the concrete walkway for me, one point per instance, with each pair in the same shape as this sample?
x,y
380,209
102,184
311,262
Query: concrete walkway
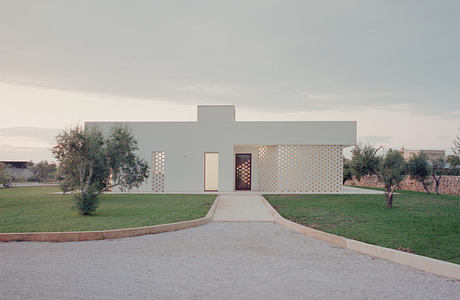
x,y
248,206
241,208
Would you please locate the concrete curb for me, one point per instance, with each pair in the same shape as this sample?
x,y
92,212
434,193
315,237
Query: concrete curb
x,y
423,263
77,236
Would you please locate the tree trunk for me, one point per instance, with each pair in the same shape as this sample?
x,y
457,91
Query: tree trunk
x,y
425,187
389,198
437,181
437,186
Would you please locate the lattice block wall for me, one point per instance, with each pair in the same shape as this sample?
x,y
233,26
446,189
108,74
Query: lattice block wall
x,y
326,168
293,167
299,168
158,171
268,168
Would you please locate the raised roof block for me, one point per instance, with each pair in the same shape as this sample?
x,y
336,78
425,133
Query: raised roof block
x,y
216,113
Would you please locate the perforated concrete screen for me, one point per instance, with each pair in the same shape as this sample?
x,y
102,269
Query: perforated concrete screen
x,y
268,168
300,168
158,171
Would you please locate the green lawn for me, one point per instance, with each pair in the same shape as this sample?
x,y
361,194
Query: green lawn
x,y
33,209
428,225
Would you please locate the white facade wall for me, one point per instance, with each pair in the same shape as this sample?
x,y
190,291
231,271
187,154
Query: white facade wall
x,y
184,145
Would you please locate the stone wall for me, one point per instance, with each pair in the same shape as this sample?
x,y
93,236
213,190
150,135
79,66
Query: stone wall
x,y
449,184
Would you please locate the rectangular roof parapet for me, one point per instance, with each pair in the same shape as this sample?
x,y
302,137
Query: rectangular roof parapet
x,y
216,113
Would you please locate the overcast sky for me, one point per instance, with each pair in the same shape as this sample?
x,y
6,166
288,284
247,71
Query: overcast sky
x,y
394,66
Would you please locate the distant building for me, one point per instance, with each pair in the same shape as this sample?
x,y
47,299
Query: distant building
x,y
430,154
17,169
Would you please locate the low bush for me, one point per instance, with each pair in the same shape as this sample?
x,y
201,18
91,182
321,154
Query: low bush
x,y
87,202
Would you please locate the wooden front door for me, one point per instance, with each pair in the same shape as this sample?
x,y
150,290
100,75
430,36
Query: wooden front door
x,y
243,172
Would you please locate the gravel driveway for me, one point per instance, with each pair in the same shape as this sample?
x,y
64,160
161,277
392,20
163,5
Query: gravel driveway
x,y
221,260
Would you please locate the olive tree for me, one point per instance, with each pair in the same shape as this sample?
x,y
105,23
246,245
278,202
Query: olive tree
x,y
454,159
347,172
420,170
454,164
43,171
456,147
437,170
90,163
390,168
4,177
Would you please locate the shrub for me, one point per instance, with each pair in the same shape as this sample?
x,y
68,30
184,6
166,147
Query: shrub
x,y
347,171
87,202
420,170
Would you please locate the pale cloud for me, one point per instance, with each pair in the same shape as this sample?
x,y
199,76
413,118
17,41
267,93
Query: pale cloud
x,y
294,55
52,108
398,127
27,143
454,113
393,66
374,139
56,109
214,89
44,134
30,154
23,142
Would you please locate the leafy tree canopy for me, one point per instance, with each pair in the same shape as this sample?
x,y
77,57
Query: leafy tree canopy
x,y
4,178
454,164
365,161
43,170
456,147
420,170
90,163
347,172
390,169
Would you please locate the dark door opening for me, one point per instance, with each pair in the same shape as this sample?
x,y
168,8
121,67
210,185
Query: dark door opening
x,y
243,172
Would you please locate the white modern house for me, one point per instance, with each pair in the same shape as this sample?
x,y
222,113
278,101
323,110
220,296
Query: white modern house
x,y
217,153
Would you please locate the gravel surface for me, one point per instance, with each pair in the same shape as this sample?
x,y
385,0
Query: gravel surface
x,y
221,260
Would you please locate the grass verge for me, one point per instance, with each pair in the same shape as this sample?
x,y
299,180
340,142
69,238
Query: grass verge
x,y
423,224
33,209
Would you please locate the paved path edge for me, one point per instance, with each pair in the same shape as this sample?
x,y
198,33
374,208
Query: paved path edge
x,y
427,264
77,236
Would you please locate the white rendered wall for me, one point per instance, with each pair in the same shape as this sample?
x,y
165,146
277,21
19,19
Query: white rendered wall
x,y
216,113
184,145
